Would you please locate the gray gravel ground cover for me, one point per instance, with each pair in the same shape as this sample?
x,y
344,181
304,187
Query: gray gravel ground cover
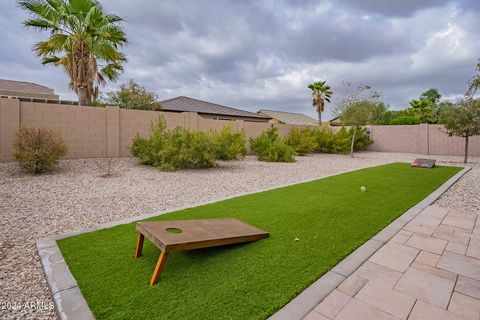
x,y
75,196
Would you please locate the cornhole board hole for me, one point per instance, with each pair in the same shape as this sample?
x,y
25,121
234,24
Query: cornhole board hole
x,y
423,163
181,235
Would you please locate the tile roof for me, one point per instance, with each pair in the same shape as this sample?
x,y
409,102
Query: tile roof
x,y
186,104
290,117
26,87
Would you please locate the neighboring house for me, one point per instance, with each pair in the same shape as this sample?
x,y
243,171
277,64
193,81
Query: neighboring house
x,y
335,122
210,110
26,90
289,117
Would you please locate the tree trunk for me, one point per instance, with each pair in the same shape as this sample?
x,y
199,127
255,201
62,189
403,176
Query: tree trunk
x,y
82,96
320,118
80,54
353,141
89,99
466,149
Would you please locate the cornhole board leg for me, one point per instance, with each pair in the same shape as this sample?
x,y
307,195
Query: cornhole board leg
x,y
158,268
138,250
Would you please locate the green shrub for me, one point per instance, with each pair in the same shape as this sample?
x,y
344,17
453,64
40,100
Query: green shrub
x,y
229,144
325,140
302,140
38,150
403,120
269,146
146,150
174,149
186,149
141,149
278,151
362,140
181,148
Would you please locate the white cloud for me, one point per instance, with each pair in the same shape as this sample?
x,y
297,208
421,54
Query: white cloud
x,y
254,54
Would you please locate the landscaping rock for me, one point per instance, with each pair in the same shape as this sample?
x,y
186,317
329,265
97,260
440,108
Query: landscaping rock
x,y
76,196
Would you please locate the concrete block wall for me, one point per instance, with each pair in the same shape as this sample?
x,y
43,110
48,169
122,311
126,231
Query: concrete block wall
x,y
425,139
441,143
108,132
407,138
9,123
84,130
112,132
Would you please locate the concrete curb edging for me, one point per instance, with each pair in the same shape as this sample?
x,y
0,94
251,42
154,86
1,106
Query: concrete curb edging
x,y
70,303
306,301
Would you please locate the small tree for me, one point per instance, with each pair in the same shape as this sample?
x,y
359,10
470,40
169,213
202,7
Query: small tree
x,y
432,94
462,119
357,114
358,107
132,96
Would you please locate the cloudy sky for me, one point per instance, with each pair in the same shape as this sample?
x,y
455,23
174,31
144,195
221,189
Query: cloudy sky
x,y
262,54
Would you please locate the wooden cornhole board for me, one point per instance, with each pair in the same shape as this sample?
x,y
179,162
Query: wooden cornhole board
x,y
423,163
181,235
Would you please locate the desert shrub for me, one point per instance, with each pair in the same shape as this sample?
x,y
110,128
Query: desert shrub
x,y
38,150
182,148
362,140
343,138
403,120
269,146
278,151
302,140
325,140
174,149
146,150
229,144
186,149
328,141
141,149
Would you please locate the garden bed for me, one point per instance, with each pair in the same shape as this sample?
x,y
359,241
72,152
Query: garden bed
x,y
329,217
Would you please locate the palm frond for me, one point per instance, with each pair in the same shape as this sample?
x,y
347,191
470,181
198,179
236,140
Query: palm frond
x,y
112,71
55,44
41,9
39,23
81,7
112,18
113,33
51,59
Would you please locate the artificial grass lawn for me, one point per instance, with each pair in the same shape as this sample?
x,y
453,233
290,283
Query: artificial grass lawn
x,y
330,217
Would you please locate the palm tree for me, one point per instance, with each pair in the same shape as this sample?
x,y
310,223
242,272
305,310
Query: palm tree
x,y
423,109
84,41
321,92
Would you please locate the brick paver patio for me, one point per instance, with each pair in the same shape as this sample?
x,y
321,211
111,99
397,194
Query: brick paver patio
x,y
429,270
